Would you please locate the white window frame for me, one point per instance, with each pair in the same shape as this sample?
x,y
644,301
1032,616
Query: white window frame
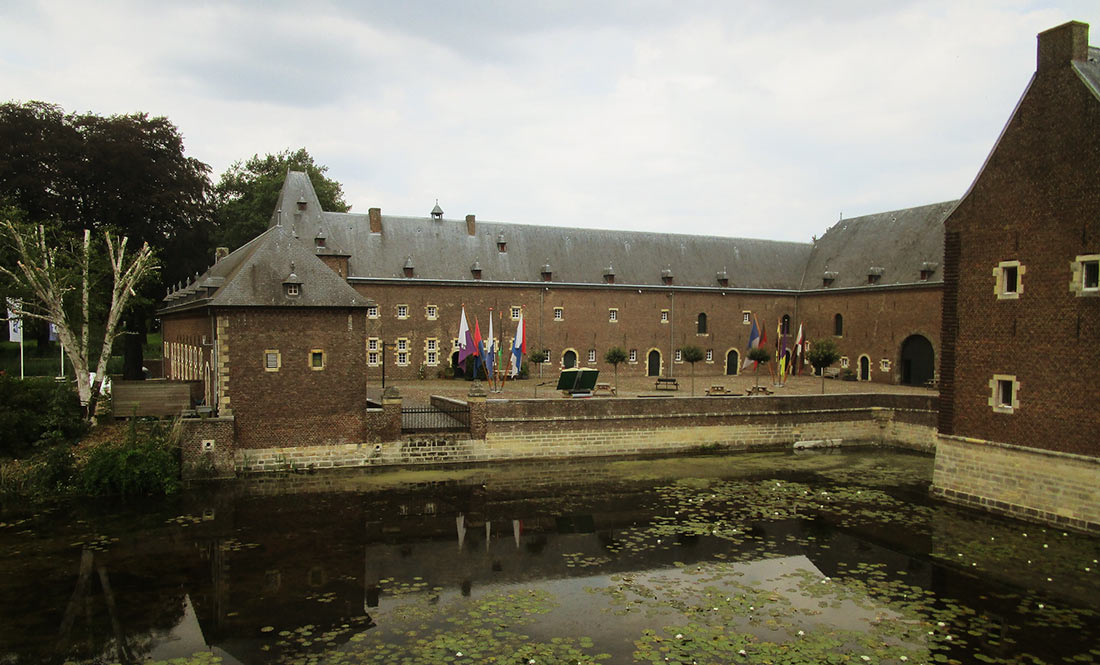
x,y
612,314
996,393
710,356
323,359
402,311
884,365
844,362
678,356
431,351
664,316
372,311
559,313
516,311
632,357
431,312
746,317
591,356
999,274
293,291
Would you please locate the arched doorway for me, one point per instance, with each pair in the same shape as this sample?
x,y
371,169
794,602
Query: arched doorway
x,y
458,373
569,359
653,363
918,361
733,362
864,368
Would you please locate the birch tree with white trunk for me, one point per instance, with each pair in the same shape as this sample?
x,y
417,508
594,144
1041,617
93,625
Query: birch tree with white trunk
x,y
53,276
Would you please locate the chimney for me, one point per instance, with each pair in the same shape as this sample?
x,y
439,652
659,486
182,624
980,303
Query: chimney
x,y
1062,45
375,215
220,253
471,226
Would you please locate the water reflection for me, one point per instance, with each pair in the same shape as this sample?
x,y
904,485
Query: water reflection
x,y
753,552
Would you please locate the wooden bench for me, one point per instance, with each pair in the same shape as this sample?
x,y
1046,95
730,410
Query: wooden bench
x,y
605,388
666,383
718,390
831,372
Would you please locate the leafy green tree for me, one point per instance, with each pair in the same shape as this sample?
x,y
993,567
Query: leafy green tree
x,y
823,353
246,194
537,357
692,354
615,356
123,174
758,356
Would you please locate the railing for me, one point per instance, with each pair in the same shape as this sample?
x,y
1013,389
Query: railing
x,y
435,418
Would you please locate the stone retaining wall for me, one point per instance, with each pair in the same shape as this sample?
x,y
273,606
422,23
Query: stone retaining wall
x,y
1028,483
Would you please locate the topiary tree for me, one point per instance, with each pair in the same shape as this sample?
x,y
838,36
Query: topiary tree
x,y
758,356
692,354
615,356
537,357
823,353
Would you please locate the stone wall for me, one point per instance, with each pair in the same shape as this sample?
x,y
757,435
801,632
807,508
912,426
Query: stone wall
x,y
1028,483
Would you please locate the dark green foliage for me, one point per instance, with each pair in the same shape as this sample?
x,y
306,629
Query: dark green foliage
x,y
35,413
246,194
615,356
692,354
537,357
759,355
58,468
145,462
823,353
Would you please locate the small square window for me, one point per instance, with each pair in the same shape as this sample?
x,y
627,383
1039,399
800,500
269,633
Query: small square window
x,y
402,311
516,310
292,290
679,356
403,344
372,344
1008,276
612,315
432,358
1085,277
592,355
272,360
710,355
884,365
1004,393
372,311
402,357
317,359
746,318
559,313
633,356
548,355
844,361
373,358
664,316
432,344
431,312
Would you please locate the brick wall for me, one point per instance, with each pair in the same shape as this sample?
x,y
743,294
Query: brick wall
x,y
296,405
1027,483
207,447
1036,201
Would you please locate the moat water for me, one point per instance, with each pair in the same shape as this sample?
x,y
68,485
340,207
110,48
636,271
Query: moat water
x,y
815,557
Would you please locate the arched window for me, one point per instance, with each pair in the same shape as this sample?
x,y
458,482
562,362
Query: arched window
x,y
838,325
786,324
702,327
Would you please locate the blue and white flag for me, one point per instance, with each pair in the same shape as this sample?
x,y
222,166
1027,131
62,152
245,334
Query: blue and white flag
x,y
490,349
519,347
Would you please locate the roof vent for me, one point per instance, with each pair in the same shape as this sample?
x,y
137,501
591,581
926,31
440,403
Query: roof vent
x,y
437,212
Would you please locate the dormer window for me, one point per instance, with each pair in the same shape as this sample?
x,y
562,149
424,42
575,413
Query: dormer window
x,y
547,273
437,212
319,241
301,204
723,278
609,274
502,244
828,278
666,276
874,274
408,268
292,285
475,270
293,290
927,269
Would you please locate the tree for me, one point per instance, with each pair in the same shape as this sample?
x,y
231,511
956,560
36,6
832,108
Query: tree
x,y
126,174
246,194
758,355
615,356
52,274
537,357
692,354
822,353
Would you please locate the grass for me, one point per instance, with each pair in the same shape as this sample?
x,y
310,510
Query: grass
x,y
49,363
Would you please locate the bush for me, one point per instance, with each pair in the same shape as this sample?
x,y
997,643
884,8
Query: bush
x,y
145,462
35,412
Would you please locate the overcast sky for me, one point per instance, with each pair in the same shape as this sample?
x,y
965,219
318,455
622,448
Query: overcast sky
x,y
753,119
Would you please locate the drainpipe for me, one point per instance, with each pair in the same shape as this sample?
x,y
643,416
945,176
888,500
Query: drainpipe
x,y
671,328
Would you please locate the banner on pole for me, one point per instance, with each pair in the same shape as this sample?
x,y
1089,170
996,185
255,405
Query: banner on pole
x,y
15,324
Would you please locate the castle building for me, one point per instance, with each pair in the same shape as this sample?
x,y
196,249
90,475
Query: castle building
x,y
1018,416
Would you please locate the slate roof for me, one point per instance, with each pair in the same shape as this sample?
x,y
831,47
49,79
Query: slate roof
x,y
254,275
896,245
1090,70
442,249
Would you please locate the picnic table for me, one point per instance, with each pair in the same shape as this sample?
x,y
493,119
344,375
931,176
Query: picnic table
x,y
718,390
759,390
666,383
605,388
